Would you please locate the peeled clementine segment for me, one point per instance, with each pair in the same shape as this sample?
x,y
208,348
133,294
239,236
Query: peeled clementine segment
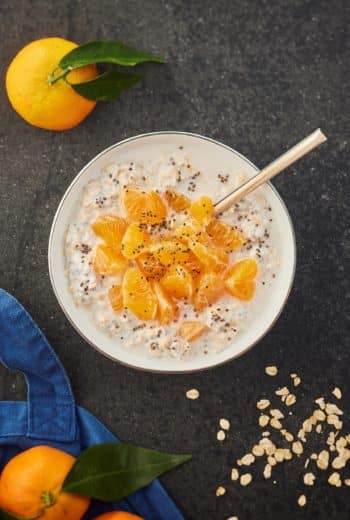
x,y
178,282
170,252
191,229
193,265
150,266
138,296
111,229
167,310
209,287
108,261
202,210
116,298
223,235
191,330
144,207
134,241
240,279
213,259
176,200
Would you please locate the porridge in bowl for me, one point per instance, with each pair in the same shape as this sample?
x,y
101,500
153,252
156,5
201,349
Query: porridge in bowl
x,y
155,269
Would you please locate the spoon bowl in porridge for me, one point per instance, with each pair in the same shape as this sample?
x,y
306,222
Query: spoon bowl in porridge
x,y
148,275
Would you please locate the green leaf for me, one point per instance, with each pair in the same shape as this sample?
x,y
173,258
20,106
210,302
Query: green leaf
x,y
105,52
112,471
107,86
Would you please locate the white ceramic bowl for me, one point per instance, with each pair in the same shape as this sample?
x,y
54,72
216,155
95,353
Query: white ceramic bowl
x,y
206,154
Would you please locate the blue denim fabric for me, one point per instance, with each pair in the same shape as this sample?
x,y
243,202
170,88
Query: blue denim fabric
x,y
50,416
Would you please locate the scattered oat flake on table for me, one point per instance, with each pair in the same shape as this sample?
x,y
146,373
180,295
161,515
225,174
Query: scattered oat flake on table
x,y
335,480
296,381
290,400
234,474
220,491
337,393
245,479
192,394
302,500
262,404
264,420
232,518
221,435
271,371
224,424
309,479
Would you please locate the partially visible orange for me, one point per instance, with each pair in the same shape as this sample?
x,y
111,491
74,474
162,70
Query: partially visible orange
x,y
53,107
240,279
170,252
108,261
111,229
118,515
144,207
150,266
191,229
31,482
138,296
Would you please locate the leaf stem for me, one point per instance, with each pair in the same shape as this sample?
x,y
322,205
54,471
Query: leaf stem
x,y
52,78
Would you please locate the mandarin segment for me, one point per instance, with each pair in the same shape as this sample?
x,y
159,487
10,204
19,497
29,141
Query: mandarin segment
x,y
150,266
138,296
223,235
202,210
191,230
177,201
167,309
144,207
208,288
191,330
211,258
111,229
240,281
170,252
116,298
108,261
178,282
134,241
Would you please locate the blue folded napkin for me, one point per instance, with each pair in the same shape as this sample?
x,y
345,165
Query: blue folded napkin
x,y
50,415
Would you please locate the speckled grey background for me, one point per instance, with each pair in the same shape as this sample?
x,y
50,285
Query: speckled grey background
x,y
257,75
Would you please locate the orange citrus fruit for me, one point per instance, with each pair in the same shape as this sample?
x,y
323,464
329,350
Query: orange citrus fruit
x,y
191,229
240,279
223,235
211,258
116,297
111,229
118,515
170,252
191,330
51,106
202,210
134,241
145,207
150,266
31,482
108,261
208,288
176,200
138,296
167,310
178,282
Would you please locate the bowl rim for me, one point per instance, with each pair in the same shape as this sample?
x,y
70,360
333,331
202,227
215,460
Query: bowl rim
x,y
155,370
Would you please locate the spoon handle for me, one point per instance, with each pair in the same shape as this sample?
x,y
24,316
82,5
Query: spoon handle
x,y
281,163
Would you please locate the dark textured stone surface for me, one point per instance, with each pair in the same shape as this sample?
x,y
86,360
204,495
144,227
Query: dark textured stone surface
x,y
257,75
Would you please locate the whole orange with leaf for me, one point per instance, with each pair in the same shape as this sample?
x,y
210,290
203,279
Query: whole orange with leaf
x,y
31,482
53,106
